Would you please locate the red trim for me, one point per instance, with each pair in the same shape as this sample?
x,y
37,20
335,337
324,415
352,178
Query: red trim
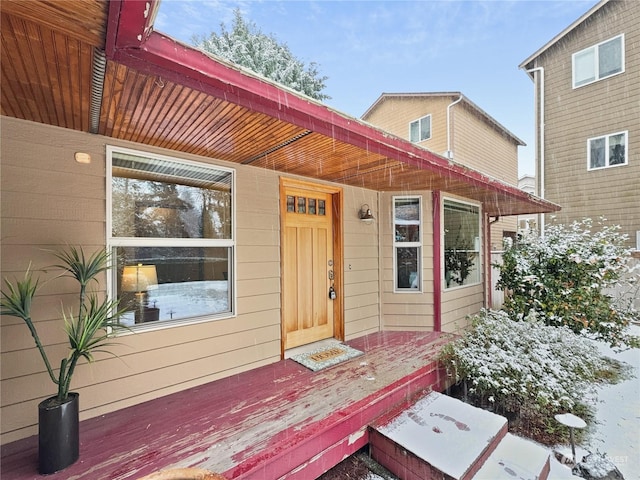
x,y
130,43
437,263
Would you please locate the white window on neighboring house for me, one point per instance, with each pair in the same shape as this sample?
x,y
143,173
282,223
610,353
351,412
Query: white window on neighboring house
x,y
607,151
462,253
599,61
420,130
171,233
407,243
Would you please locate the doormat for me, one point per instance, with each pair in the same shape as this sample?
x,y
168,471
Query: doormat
x,y
327,356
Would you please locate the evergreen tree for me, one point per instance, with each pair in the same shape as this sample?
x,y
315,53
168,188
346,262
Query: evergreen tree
x,y
247,46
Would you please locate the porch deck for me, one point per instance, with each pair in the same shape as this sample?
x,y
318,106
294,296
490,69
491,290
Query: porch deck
x,y
278,421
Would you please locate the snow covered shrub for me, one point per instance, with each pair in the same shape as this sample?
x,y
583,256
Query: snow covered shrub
x,y
523,363
565,277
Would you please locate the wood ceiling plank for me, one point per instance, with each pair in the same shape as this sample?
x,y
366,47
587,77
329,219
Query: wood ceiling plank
x,y
84,20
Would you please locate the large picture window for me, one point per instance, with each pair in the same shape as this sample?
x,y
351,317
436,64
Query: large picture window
x,y
171,235
407,243
462,264
607,151
598,62
420,130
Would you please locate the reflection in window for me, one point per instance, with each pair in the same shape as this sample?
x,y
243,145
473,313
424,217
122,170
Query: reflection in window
x,y
607,151
461,222
598,62
407,243
172,237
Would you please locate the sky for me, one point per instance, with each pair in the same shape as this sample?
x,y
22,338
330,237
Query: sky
x,y
367,48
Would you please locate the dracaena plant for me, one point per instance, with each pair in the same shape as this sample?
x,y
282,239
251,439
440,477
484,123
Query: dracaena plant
x,y
87,329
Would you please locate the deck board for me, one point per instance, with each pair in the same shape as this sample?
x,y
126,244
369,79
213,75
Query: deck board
x,y
270,422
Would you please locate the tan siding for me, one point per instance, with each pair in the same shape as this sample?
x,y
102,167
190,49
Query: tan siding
x,y
604,107
49,200
458,304
361,265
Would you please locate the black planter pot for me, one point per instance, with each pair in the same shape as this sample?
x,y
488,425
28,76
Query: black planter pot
x,y
58,433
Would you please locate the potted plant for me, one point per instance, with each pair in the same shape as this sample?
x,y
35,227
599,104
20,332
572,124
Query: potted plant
x,y
87,331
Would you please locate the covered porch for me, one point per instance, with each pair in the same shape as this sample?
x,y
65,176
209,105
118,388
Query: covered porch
x,y
278,421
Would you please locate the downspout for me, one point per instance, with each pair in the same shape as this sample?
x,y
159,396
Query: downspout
x,y
449,152
539,98
97,87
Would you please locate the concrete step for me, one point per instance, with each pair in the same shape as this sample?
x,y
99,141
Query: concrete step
x,y
516,458
436,437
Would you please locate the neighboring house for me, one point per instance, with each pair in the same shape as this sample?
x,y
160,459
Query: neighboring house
x,y
239,201
527,223
587,85
450,124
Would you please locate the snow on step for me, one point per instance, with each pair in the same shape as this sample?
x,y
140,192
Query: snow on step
x,y
450,436
516,458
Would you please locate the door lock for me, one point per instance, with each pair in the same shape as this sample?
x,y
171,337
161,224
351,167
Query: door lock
x,y
332,293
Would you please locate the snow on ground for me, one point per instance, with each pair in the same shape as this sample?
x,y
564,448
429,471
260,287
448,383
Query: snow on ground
x,y
616,431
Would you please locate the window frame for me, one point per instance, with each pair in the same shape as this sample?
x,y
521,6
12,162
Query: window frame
x,y
606,149
416,244
114,242
596,62
419,121
480,250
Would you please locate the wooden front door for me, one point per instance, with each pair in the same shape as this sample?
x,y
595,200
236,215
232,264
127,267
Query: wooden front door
x,y
307,264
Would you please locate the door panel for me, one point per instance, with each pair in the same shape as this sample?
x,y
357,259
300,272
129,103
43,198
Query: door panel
x,y
307,252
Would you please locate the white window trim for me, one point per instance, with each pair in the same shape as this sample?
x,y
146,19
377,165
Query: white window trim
x,y
417,244
596,63
481,248
606,149
419,120
182,242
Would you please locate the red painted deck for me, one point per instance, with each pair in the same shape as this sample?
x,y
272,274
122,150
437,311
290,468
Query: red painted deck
x,y
277,421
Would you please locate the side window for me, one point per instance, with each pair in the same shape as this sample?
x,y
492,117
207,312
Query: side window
x,y
171,234
461,223
407,243
420,130
600,61
607,151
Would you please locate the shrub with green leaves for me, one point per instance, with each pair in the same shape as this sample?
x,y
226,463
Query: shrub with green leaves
x,y
566,278
523,363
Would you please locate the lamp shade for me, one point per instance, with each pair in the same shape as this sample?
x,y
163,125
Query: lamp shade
x,y
139,278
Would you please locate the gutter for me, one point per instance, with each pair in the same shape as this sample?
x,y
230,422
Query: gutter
x,y
539,98
449,152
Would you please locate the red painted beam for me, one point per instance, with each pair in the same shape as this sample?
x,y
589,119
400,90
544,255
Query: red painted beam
x,y
437,261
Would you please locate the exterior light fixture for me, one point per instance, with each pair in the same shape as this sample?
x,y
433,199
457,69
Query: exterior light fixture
x,y
82,157
365,214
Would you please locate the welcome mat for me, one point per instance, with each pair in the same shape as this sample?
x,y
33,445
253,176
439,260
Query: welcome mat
x,y
326,356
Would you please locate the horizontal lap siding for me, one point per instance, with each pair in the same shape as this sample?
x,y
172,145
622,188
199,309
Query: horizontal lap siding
x,y
601,108
458,304
361,265
49,200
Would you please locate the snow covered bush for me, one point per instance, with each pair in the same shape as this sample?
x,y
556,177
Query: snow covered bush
x,y
523,363
566,278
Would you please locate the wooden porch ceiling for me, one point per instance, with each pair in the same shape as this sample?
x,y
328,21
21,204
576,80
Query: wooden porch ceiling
x,y
162,93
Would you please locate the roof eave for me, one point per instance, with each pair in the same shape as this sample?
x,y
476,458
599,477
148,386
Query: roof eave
x,y
525,64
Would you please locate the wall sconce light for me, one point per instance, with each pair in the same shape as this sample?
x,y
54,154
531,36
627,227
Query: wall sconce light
x,y
365,214
139,279
82,157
